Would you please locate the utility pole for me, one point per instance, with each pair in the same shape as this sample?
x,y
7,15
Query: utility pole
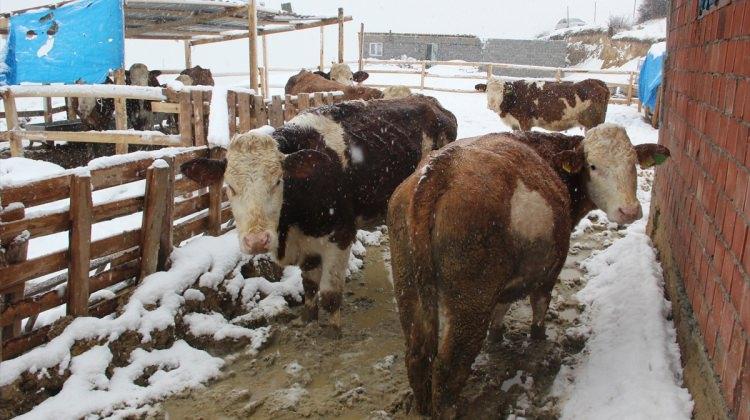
x,y
594,11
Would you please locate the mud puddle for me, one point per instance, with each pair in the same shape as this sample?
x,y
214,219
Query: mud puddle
x,y
302,373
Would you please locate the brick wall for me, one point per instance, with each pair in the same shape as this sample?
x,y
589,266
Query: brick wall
x,y
702,196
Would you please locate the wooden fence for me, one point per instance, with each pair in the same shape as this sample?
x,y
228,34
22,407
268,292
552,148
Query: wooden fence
x,y
489,67
173,209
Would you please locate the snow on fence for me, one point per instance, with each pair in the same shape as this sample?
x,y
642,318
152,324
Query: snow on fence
x,y
630,87
191,105
117,262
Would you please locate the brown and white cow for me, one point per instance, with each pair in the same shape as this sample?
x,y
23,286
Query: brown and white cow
x,y
139,112
340,72
300,192
199,76
486,221
96,113
554,106
306,82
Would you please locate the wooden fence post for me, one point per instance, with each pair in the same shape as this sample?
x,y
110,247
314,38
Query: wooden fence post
x,y
157,178
558,75
630,88
422,75
318,99
214,198
200,126
79,245
361,45
276,114
11,122
260,111
321,64
303,102
15,251
121,113
490,70
341,34
70,108
232,112
244,108
186,117
289,110
166,241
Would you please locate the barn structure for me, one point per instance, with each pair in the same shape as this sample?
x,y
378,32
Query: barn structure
x,y
700,216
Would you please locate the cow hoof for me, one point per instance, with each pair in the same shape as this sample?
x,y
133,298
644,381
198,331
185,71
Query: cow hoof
x,y
332,331
538,332
309,315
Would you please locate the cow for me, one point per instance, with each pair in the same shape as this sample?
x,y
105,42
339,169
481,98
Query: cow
x,y
340,72
306,82
139,112
392,92
199,76
301,192
487,220
554,106
96,113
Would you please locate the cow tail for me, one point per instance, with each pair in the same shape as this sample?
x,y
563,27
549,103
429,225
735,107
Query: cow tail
x,y
433,181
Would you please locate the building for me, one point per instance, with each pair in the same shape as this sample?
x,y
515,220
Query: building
x,y
391,45
700,215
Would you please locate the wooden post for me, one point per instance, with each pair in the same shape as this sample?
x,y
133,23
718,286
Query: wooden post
x,y
558,75
188,54
199,128
490,70
276,114
321,65
166,240
16,251
303,101
121,113
260,112
318,99
341,34
630,88
422,75
79,245
252,27
214,198
157,178
266,93
186,117
289,111
232,112
47,106
70,108
361,45
657,109
244,108
11,122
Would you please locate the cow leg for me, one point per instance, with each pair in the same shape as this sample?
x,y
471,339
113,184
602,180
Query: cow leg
x,y
462,331
497,328
332,285
311,284
539,299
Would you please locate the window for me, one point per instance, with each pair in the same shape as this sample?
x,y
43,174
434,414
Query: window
x,y
706,6
376,49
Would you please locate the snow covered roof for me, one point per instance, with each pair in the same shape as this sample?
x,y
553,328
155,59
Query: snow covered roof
x,y
204,20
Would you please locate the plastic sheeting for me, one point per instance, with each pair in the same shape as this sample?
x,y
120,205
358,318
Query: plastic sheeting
x,y
651,75
82,40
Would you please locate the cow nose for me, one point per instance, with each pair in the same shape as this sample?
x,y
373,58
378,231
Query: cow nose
x,y
632,212
257,243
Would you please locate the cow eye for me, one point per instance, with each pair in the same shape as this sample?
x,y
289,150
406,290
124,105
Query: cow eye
x,y
230,190
593,167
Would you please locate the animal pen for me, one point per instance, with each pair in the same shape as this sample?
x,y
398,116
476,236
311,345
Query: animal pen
x,y
170,208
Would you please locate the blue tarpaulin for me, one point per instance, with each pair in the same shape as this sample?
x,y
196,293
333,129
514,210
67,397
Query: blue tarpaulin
x,y
651,75
82,40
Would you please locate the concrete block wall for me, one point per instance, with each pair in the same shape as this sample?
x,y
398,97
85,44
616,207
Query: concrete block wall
x,y
702,195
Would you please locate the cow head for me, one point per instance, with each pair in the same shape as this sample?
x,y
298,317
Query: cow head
x,y
185,79
607,159
138,75
256,174
200,76
395,92
500,94
340,72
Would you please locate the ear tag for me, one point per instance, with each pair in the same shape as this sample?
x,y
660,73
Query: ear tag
x,y
567,167
649,163
659,158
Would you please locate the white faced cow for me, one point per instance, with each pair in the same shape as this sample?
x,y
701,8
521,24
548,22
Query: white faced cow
x,y
299,192
486,221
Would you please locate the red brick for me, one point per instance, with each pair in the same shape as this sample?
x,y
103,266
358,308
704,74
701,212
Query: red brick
x,y
737,293
730,87
740,96
739,237
739,191
745,313
727,323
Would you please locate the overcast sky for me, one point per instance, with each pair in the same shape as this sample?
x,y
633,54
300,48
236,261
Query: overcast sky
x,y
484,18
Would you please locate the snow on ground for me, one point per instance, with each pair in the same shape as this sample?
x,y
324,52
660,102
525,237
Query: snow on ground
x,y
575,30
17,170
649,31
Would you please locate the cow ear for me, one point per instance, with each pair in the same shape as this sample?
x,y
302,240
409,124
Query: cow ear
x,y
154,73
651,154
304,164
570,161
204,171
360,76
323,74
481,87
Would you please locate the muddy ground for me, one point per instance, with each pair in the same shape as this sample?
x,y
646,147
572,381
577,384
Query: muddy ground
x,y
304,373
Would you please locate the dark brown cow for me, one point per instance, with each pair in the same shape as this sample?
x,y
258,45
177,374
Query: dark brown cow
x,y
306,82
486,221
300,192
96,113
554,106
200,76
